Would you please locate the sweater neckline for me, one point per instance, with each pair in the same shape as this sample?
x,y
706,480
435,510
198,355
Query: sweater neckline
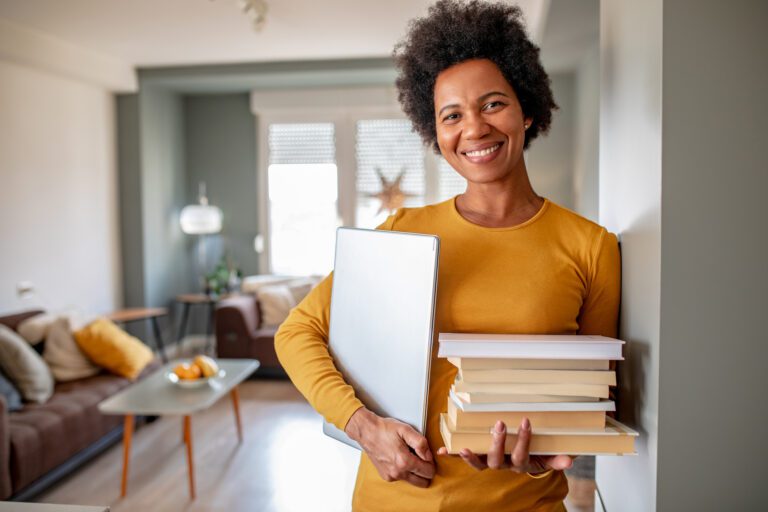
x,y
462,220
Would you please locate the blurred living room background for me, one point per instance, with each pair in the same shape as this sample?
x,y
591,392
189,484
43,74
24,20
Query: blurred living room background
x,y
180,167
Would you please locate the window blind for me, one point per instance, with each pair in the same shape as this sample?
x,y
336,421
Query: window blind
x,y
302,143
450,182
391,146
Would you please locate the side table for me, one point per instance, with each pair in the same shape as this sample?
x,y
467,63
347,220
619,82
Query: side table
x,y
188,300
126,316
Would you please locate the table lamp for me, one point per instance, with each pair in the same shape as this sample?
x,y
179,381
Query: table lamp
x,y
201,219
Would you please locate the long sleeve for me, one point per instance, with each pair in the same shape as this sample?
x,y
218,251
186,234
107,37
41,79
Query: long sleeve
x,y
599,313
302,348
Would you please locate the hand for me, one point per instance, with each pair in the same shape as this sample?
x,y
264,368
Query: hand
x,y
388,443
519,460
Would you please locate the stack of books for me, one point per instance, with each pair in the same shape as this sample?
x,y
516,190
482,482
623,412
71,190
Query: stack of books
x,y
559,382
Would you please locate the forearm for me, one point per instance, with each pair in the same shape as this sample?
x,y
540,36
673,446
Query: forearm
x,y
301,345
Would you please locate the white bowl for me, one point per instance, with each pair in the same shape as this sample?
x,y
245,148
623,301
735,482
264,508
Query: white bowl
x,y
196,383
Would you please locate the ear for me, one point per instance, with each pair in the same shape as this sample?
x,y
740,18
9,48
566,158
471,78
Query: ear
x,y
527,122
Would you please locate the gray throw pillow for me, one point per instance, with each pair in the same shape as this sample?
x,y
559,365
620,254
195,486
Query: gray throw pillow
x,y
24,367
11,394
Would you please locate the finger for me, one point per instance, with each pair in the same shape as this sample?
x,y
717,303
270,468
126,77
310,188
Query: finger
x,y
418,442
408,462
496,451
559,462
520,451
472,459
442,450
416,480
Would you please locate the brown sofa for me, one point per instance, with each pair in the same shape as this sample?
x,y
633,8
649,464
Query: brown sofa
x,y
44,442
240,334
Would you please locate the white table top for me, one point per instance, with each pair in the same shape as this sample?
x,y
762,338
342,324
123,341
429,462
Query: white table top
x,y
9,506
156,396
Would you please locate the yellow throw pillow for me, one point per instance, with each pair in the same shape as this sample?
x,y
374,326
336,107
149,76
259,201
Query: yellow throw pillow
x,y
114,349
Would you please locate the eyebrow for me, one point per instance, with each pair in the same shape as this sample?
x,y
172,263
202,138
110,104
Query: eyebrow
x,y
481,98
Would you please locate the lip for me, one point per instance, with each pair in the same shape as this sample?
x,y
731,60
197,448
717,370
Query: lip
x,y
484,158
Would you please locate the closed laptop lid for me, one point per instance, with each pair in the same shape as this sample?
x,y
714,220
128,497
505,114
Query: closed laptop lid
x,y
382,320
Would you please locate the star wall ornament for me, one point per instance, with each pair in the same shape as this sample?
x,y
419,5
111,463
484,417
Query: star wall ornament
x,y
391,196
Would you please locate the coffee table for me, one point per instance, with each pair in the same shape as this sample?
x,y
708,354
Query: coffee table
x,y
156,396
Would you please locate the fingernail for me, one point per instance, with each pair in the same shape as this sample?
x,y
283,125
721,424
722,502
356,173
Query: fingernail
x,y
499,427
526,424
464,453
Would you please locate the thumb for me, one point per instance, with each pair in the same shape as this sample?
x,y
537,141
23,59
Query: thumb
x,y
559,462
416,441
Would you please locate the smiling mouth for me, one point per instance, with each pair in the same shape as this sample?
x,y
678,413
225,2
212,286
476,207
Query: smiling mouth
x,y
483,152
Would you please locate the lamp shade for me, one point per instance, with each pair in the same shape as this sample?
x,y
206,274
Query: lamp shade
x,y
199,219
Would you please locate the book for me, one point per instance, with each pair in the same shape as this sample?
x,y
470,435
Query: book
x,y
529,346
603,377
593,390
496,398
464,363
589,405
539,418
613,439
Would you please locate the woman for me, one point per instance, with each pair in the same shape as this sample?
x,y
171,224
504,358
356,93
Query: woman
x,y
510,262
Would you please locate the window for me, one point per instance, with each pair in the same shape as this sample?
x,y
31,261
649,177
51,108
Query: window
x,y
321,169
302,181
386,148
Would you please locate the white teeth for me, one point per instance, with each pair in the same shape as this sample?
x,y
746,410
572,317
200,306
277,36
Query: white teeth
x,y
483,152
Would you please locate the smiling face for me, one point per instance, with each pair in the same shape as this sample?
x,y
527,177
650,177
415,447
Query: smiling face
x,y
479,122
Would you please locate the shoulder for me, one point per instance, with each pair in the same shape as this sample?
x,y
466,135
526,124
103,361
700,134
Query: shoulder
x,y
573,225
418,219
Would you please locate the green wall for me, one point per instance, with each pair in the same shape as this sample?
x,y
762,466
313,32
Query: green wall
x,y
220,150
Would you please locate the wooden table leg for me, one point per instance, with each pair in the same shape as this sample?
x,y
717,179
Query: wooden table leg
x,y
190,462
236,407
127,434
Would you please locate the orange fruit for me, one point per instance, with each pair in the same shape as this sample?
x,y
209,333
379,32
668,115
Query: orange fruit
x,y
187,371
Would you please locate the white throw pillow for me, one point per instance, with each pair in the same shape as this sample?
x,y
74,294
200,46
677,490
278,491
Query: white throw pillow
x,y
253,284
24,367
64,357
34,329
276,301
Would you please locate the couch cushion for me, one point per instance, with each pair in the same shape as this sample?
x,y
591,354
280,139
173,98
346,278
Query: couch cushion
x,y
24,367
64,357
11,394
114,349
46,435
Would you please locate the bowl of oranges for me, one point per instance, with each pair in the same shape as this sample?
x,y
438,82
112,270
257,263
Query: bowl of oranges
x,y
198,372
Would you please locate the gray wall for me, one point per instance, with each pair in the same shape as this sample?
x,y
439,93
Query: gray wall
x,y
129,189
220,142
714,275
630,205
550,157
586,157
682,178
164,188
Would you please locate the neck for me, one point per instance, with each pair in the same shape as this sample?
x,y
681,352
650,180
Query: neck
x,y
500,204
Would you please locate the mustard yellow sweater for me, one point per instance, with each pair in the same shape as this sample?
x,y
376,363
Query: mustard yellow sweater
x,y
555,273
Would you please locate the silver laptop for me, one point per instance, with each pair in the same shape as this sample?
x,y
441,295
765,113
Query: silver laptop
x,y
382,321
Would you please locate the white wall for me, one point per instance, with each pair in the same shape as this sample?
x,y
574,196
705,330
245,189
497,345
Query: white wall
x,y
58,215
630,205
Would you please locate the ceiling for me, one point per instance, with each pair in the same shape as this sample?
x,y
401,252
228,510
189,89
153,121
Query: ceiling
x,y
153,33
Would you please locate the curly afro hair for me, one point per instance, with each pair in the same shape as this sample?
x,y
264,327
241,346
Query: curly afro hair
x,y
455,31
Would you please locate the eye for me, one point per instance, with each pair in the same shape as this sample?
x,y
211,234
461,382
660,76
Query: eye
x,y
451,117
493,105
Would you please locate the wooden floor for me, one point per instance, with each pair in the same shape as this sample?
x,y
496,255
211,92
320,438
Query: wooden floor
x,y
283,447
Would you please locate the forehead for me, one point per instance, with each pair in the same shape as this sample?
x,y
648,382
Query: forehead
x,y
469,80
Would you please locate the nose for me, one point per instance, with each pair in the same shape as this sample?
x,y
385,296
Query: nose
x,y
475,127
